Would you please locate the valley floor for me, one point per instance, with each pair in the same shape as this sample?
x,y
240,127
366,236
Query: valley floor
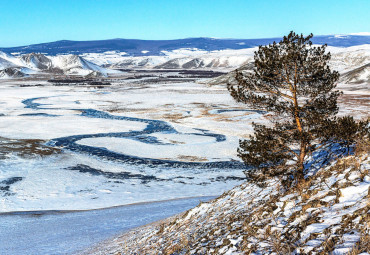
x,y
81,146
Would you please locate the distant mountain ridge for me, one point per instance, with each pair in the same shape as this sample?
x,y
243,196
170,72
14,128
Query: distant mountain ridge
x,y
134,47
353,64
36,63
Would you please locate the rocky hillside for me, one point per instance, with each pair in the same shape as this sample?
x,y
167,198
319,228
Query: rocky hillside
x,y
329,214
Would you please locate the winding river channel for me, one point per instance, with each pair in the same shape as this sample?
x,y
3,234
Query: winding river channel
x,y
143,136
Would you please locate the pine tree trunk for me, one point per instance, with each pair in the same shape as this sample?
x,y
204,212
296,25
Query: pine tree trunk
x,y
300,163
302,151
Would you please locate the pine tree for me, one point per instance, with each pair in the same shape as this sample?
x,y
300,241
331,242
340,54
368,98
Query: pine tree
x,y
292,80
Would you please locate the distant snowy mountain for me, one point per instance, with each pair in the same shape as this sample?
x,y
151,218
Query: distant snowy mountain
x,y
101,58
33,63
8,60
134,47
73,64
176,59
37,61
6,63
353,64
12,72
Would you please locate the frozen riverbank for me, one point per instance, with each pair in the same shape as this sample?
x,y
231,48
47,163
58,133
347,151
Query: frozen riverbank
x,y
58,232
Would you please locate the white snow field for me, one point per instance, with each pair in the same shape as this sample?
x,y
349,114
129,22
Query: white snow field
x,y
189,149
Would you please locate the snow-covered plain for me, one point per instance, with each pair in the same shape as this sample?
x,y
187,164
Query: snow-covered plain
x,y
112,167
122,144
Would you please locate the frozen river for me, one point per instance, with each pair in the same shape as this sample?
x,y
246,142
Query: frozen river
x,y
38,233
76,148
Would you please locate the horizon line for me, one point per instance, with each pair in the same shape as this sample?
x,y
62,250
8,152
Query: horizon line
x,y
205,37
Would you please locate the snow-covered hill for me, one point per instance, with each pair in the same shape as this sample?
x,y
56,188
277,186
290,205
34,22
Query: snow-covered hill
x,y
37,61
353,64
329,214
343,59
73,64
12,72
33,63
8,60
185,58
357,75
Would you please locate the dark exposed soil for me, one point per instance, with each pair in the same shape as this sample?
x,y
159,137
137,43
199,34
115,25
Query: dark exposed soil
x,y
25,147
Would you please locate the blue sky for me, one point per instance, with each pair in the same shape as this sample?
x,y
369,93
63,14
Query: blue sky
x,y
35,21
